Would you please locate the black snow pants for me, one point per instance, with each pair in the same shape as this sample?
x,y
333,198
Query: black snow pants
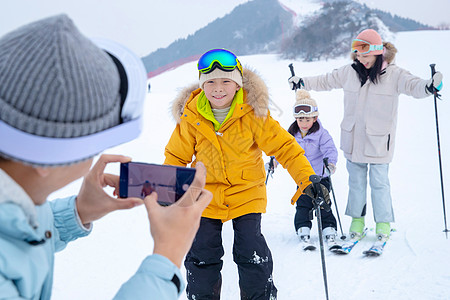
x,y
250,252
304,207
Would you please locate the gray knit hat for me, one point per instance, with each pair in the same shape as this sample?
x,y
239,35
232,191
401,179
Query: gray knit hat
x,y
64,98
55,82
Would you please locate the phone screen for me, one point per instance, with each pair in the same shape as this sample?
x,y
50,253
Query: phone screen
x,y
141,179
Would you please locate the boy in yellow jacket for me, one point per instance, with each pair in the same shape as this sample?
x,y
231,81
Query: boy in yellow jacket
x,y
226,125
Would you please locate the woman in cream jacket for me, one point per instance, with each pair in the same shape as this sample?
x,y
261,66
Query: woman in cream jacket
x,y
371,85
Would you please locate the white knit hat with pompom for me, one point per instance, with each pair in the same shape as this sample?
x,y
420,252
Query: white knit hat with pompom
x,y
303,97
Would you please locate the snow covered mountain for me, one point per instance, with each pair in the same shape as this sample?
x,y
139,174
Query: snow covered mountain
x,y
323,33
306,29
251,28
416,261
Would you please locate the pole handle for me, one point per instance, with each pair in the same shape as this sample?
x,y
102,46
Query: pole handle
x,y
319,199
271,168
325,163
433,70
271,165
315,179
435,91
291,67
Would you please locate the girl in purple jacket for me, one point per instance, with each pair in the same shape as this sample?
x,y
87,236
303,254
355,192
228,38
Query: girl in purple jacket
x,y
318,144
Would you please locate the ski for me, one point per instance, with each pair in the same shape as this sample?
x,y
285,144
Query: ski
x,y
348,246
375,250
309,247
332,244
378,246
306,243
334,247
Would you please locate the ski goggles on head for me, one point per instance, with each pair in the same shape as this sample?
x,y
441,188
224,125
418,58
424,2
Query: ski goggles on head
x,y
305,109
364,47
218,58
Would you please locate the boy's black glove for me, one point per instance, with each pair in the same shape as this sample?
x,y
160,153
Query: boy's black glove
x,y
309,191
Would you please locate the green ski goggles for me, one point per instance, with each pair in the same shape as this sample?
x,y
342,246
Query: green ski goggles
x,y
218,58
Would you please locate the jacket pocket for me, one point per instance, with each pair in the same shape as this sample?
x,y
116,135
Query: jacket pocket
x,y
377,142
347,133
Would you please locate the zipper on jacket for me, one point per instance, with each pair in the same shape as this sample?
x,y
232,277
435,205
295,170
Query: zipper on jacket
x,y
219,133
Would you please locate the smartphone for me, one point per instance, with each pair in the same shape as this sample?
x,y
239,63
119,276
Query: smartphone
x,y
141,179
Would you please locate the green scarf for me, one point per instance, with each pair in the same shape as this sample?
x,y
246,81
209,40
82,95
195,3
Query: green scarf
x,y
204,108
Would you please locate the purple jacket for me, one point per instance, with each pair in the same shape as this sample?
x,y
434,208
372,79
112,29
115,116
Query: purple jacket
x,y
318,145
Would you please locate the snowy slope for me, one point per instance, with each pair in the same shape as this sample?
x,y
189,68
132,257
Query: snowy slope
x,y
416,262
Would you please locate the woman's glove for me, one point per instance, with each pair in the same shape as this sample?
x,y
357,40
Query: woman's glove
x,y
296,82
435,83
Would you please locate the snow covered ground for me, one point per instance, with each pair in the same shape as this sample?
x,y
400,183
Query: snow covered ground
x,y
416,261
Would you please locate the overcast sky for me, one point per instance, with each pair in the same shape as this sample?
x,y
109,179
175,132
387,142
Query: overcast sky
x,y
146,25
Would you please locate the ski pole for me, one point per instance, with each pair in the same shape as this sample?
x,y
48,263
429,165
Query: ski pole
x,y
271,169
436,95
291,67
319,201
325,162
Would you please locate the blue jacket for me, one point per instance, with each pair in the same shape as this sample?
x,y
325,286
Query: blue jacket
x,y
30,235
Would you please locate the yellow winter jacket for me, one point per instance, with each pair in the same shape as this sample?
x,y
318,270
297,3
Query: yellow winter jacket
x,y
233,154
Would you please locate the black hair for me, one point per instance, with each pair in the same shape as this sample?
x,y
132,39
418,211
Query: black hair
x,y
293,129
372,74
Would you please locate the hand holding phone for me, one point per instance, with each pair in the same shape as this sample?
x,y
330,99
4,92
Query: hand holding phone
x,y
141,179
92,201
174,227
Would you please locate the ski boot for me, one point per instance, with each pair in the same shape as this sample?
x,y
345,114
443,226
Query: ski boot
x,y
383,231
377,247
304,236
330,238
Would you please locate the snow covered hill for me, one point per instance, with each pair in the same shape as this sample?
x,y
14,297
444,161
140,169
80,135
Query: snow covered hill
x,y
306,29
416,261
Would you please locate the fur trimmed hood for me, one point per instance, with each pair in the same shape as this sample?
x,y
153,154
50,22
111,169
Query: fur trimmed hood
x,y
255,91
388,55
